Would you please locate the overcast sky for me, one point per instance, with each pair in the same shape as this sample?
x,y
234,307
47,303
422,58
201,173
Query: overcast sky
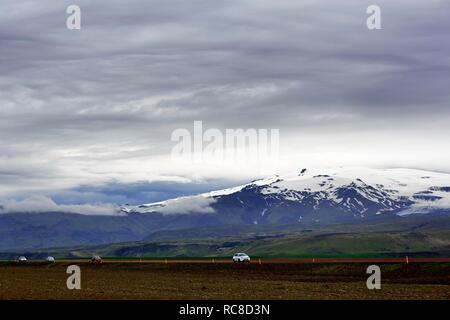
x,y
86,115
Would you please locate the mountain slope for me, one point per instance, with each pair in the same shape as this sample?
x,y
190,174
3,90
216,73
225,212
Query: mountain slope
x,y
29,231
414,236
315,196
310,198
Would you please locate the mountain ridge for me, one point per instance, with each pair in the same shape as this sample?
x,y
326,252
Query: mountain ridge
x,y
312,197
358,192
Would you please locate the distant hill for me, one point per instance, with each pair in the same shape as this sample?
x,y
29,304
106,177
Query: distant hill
x,y
413,236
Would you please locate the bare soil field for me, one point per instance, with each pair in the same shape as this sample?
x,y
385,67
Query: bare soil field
x,y
203,279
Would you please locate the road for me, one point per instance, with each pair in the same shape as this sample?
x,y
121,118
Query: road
x,y
260,261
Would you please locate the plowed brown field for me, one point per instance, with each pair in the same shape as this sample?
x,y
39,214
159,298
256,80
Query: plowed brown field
x,y
205,279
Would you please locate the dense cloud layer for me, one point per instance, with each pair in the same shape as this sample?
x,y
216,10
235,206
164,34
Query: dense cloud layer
x,y
37,204
98,105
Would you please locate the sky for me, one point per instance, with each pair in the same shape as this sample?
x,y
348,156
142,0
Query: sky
x,y
86,116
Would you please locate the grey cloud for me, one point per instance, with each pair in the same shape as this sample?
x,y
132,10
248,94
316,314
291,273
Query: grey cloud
x,y
197,204
91,106
37,204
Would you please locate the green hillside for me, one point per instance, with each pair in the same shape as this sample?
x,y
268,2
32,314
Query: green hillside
x,y
414,237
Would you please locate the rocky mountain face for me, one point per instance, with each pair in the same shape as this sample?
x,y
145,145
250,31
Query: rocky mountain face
x,y
314,196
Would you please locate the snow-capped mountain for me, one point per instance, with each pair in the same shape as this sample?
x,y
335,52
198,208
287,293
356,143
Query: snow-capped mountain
x,y
317,195
308,198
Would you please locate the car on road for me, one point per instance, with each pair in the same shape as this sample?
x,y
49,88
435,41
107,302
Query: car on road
x,y
241,257
22,259
96,259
